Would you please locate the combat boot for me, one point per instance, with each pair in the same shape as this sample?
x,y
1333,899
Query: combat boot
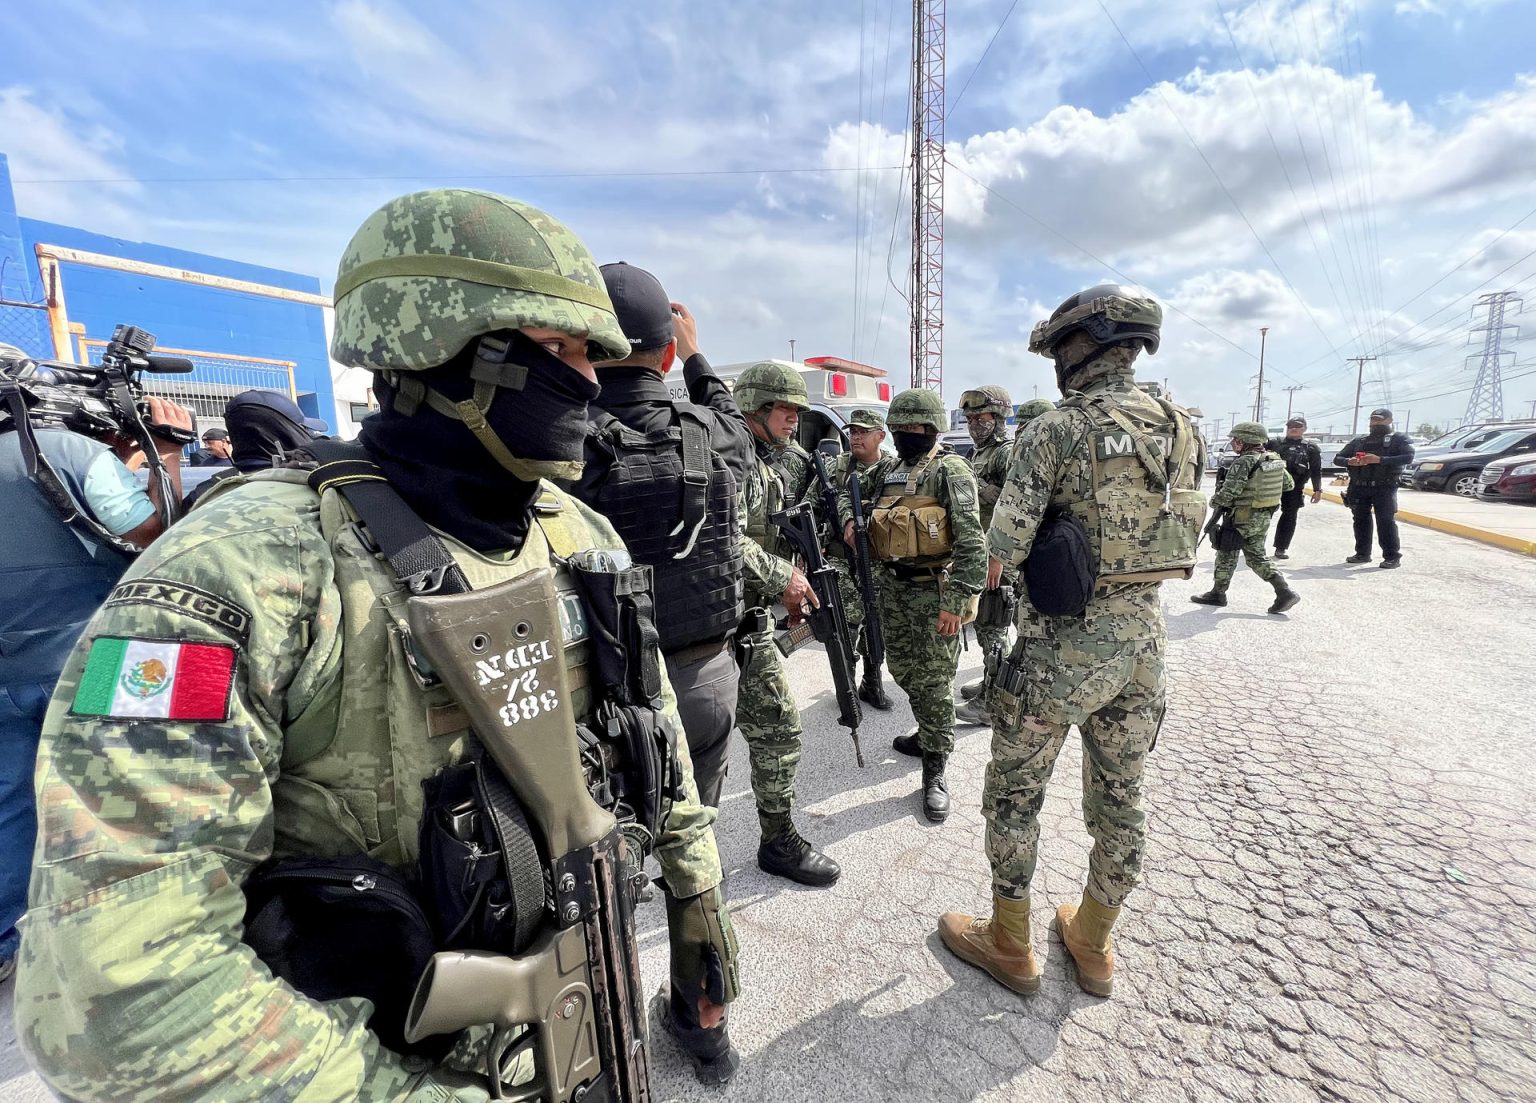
x,y
1084,929
908,744
714,1059
974,712
784,853
1217,598
935,790
872,690
972,690
1285,598
1358,558
1000,945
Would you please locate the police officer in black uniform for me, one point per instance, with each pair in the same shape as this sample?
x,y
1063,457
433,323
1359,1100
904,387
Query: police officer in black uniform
x,y
1304,460
1374,462
666,474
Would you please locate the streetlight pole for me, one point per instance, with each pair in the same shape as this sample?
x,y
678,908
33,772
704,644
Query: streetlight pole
x,y
1258,401
791,349
1290,397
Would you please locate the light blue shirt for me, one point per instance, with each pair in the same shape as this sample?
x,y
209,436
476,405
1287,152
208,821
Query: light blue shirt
x,y
114,496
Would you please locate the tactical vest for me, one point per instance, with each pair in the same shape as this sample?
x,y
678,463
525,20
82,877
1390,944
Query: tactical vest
x,y
368,730
1298,458
1266,483
696,564
907,527
52,578
1375,475
760,530
1149,512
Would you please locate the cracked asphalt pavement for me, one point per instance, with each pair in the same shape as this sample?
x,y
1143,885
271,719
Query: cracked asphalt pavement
x,y
1339,895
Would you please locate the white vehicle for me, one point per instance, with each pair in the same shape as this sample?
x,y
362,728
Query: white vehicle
x,y
837,387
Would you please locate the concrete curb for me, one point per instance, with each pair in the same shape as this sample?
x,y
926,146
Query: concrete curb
x,y
1503,540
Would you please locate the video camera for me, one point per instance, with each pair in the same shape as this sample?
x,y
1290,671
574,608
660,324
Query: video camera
x,y
97,399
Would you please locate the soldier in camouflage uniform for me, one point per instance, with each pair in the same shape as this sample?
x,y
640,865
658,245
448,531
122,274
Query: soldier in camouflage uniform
x,y
988,488
770,396
1101,669
986,411
244,693
925,529
866,431
1250,493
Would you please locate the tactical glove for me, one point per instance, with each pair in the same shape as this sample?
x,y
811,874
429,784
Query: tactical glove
x,y
704,953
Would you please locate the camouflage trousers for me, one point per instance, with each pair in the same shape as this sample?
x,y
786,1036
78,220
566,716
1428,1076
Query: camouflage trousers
x,y
770,723
1113,691
1255,533
920,660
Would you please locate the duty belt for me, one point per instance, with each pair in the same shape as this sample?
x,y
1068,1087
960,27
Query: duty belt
x,y
917,574
697,652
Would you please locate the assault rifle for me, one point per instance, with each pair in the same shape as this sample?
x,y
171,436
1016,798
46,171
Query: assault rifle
x,y
828,622
859,555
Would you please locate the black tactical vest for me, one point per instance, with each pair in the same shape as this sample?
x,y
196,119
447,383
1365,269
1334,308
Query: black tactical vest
x,y
673,500
1298,458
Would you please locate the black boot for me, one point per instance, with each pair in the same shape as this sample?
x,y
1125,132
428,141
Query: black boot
x,y
784,853
872,690
1214,597
1281,553
908,744
935,791
972,690
714,1058
1358,558
1285,598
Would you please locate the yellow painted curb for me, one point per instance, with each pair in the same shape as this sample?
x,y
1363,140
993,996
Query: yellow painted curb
x,y
1455,528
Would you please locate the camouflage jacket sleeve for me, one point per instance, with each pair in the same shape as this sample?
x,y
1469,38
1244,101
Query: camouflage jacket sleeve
x,y
766,574
968,572
991,474
795,462
1290,482
1039,457
1238,472
135,985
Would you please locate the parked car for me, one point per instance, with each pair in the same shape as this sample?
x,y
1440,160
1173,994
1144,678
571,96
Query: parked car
x,y
1460,471
1512,479
1463,439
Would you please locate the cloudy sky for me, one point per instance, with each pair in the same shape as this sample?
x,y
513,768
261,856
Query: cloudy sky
x,y
1351,174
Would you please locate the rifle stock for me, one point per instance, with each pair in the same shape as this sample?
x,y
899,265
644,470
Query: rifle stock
x,y
501,652
827,620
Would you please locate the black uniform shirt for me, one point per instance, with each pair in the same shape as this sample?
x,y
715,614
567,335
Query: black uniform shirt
x,y
1303,459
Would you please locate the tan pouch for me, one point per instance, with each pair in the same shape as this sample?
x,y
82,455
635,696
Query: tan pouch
x,y
912,526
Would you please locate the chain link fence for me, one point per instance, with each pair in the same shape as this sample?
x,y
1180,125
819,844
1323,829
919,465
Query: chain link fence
x,y
25,325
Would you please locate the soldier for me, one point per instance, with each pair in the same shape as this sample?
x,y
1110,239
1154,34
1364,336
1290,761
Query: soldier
x,y
926,531
771,396
866,432
1255,481
986,411
1123,465
974,710
247,693
1304,460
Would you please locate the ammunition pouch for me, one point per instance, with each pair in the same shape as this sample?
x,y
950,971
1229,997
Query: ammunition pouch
x,y
1229,537
1006,692
995,608
910,526
754,626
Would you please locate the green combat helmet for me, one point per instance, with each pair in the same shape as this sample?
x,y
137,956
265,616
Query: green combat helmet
x,y
1250,432
1033,409
430,272
986,400
918,406
767,382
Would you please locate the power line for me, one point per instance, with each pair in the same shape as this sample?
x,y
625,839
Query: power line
x,y
455,176
983,57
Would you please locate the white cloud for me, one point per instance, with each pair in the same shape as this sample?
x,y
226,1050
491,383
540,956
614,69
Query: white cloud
x,y
46,143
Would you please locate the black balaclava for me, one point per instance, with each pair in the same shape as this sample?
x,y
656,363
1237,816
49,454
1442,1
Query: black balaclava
x,y
260,434
1380,430
448,476
911,446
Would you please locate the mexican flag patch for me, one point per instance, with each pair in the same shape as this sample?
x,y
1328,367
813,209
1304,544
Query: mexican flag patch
x,y
155,679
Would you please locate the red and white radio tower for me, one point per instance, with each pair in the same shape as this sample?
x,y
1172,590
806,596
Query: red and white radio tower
x,y
928,193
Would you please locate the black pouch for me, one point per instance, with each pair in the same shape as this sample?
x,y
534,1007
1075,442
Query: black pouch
x,y
996,607
345,926
481,873
1228,539
1061,571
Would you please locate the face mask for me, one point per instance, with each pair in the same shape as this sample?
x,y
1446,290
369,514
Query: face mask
x,y
1380,430
451,475
911,446
982,431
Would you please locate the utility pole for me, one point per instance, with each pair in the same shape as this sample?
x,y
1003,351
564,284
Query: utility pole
x,y
1216,436
928,193
1290,396
1234,418
1408,422
1487,400
791,348
1360,362
1258,399
1533,408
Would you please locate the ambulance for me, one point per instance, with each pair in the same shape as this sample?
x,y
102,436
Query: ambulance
x,y
837,387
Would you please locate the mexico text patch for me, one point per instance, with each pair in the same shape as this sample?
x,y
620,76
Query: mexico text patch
x,y
128,679
181,598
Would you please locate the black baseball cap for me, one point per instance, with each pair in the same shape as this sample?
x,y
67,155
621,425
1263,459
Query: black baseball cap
x,y
1297,420
642,306
1382,412
216,434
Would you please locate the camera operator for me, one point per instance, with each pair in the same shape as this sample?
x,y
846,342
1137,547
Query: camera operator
x,y
53,575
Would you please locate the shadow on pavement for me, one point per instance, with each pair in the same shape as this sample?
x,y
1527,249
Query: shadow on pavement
x,y
1188,625
1333,570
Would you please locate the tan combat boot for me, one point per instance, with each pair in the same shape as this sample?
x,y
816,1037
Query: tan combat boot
x,y
1084,930
999,945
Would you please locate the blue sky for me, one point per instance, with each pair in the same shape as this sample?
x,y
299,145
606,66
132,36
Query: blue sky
x,y
1371,145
